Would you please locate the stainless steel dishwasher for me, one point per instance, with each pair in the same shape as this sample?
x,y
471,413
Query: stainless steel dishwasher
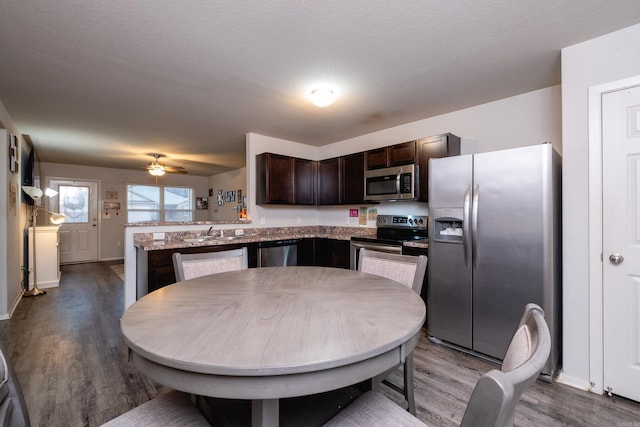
x,y
278,253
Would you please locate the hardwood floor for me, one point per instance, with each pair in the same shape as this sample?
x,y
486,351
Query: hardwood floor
x,y
70,359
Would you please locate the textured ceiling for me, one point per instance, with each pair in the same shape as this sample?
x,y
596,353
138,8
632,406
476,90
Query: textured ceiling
x,y
102,83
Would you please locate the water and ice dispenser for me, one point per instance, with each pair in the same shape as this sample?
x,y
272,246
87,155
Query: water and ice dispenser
x,y
447,225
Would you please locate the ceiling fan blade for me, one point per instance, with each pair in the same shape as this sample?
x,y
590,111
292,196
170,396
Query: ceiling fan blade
x,y
174,169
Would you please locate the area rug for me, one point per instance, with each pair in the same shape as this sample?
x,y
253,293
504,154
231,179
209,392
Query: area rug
x,y
119,270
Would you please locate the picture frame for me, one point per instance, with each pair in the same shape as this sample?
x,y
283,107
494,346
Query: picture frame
x,y
111,195
13,153
202,203
230,196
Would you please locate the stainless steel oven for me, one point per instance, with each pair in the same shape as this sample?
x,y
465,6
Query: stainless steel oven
x,y
392,231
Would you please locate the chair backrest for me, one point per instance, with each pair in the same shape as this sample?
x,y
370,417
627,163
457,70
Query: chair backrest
x,y
189,266
13,408
496,394
406,269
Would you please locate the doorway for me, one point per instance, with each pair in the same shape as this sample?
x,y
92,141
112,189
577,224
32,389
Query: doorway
x,y
78,200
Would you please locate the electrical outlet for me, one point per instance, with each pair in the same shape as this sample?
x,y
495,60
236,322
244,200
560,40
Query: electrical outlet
x,y
239,232
117,244
158,236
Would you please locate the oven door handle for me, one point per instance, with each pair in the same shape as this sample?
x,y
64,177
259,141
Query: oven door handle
x,y
381,248
356,246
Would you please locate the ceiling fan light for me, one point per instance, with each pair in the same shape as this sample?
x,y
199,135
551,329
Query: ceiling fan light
x,y
156,170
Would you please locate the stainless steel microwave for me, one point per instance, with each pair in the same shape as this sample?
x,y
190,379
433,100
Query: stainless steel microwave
x,y
395,183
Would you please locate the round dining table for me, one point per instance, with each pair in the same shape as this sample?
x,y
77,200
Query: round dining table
x,y
264,334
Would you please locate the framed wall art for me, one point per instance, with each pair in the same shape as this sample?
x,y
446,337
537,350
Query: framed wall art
x,y
13,153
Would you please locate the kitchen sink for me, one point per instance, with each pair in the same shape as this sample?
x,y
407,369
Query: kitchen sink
x,y
198,239
226,237
202,239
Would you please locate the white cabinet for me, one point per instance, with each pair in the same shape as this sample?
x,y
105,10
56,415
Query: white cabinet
x,y
47,256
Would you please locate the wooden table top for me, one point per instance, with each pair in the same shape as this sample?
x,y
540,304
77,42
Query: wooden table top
x,y
272,321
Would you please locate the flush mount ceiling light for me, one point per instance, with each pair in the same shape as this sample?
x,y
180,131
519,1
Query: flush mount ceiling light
x,y
322,96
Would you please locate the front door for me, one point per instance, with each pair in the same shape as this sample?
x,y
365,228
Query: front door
x,y
621,241
78,200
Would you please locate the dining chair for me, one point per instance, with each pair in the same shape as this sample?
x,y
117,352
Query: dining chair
x,y
410,271
170,409
13,408
189,266
495,396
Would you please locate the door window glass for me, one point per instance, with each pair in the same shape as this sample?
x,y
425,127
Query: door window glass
x,y
74,203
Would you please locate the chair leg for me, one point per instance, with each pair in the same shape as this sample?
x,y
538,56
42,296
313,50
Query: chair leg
x,y
408,384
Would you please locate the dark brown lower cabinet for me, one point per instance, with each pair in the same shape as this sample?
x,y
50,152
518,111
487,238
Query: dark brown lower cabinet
x,y
332,253
160,264
311,252
306,252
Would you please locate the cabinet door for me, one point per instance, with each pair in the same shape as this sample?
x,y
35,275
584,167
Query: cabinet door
x,y
304,182
274,179
329,181
332,253
377,158
306,252
353,178
402,154
432,148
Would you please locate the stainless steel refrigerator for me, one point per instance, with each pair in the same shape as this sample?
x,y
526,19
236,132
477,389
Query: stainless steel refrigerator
x,y
494,246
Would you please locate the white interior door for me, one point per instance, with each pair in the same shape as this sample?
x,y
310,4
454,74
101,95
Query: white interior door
x,y
621,241
78,200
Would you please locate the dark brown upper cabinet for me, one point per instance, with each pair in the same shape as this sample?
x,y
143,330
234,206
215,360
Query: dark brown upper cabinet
x,y
304,181
352,178
393,155
329,174
274,179
434,147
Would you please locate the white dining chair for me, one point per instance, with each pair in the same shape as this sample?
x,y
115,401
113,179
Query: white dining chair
x,y
410,271
495,396
189,266
170,409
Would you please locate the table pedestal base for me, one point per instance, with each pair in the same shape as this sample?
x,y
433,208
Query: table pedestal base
x,y
265,413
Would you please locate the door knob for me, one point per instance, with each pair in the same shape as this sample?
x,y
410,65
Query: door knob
x,y
616,259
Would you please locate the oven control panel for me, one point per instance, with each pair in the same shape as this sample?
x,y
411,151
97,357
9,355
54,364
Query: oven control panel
x,y
402,221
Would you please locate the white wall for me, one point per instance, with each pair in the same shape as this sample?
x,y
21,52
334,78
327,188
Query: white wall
x,y
526,119
233,180
591,63
112,229
12,223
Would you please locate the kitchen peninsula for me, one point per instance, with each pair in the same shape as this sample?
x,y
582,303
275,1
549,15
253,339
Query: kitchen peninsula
x,y
142,239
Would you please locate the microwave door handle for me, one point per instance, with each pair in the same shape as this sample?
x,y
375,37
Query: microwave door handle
x,y
398,194
466,219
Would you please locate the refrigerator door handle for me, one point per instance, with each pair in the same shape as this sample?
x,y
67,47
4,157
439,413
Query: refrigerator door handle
x,y
466,217
474,226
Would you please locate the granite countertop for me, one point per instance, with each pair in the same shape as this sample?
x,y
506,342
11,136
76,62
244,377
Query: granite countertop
x,y
175,240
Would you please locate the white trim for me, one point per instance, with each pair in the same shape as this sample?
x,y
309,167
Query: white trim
x,y
596,320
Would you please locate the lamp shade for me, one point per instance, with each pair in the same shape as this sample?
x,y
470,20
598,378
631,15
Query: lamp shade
x,y
57,218
33,192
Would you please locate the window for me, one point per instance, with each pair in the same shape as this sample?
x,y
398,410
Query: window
x,y
74,203
149,203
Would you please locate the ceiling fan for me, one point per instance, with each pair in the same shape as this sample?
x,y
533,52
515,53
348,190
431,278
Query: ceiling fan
x,y
156,168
